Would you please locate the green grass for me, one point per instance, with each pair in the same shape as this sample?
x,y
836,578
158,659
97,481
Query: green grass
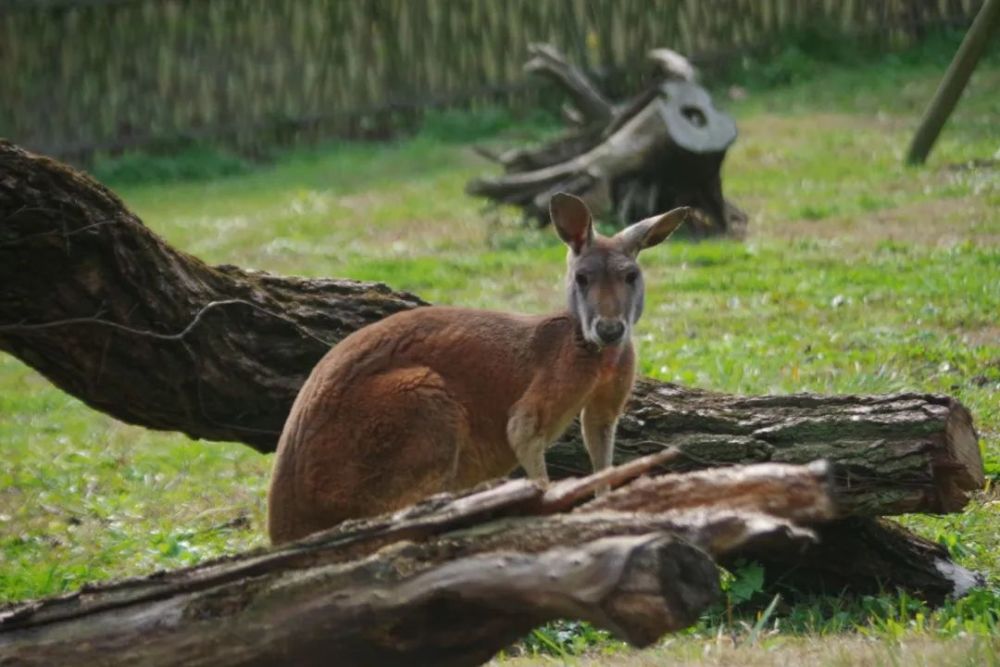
x,y
860,275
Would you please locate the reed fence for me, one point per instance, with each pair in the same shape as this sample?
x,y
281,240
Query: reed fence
x,y
79,76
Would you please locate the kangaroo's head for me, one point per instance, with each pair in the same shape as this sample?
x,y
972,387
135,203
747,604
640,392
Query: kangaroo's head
x,y
603,278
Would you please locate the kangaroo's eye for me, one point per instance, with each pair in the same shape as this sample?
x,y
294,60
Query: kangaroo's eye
x,y
631,277
581,279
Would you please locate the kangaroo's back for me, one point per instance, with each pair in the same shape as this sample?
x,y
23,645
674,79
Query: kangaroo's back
x,y
438,399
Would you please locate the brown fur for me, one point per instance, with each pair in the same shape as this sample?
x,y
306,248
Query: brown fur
x,y
438,399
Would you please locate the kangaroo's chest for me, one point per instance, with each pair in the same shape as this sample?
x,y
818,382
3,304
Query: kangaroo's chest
x,y
601,381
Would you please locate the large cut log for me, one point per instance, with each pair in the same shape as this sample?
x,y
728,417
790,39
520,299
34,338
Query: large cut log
x,y
892,454
447,582
107,311
661,149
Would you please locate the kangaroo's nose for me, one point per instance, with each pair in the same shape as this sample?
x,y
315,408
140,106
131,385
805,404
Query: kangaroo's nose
x,y
610,331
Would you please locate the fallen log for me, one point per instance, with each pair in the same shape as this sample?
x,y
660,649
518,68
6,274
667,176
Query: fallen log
x,y
447,582
661,149
106,310
892,454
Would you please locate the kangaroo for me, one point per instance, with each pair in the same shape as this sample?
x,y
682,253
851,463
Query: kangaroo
x,y
441,399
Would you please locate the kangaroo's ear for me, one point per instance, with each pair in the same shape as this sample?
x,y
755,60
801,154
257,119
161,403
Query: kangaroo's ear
x,y
572,220
652,231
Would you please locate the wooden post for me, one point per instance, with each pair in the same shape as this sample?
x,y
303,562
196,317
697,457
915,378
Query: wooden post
x,y
955,80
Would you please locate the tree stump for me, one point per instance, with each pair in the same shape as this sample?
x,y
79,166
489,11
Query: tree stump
x,y
662,149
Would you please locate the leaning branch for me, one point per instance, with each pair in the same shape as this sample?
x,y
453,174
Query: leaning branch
x,y
588,100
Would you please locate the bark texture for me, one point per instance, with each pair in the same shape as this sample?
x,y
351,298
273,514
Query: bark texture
x,y
892,454
106,310
111,314
447,582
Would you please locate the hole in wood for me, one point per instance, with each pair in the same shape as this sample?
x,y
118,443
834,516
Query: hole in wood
x,y
694,115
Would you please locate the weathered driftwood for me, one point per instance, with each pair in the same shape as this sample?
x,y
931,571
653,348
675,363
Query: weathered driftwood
x,y
105,309
661,149
447,582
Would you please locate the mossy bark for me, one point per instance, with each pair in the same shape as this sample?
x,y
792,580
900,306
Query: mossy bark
x,y
113,315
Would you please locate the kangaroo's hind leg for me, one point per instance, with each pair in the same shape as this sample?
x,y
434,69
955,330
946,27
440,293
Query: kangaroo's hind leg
x,y
395,439
415,432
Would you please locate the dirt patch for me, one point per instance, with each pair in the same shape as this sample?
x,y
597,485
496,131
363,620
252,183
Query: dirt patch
x,y
940,222
981,337
781,125
423,229
825,651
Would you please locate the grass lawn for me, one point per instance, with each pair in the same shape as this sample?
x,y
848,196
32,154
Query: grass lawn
x,y
860,275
